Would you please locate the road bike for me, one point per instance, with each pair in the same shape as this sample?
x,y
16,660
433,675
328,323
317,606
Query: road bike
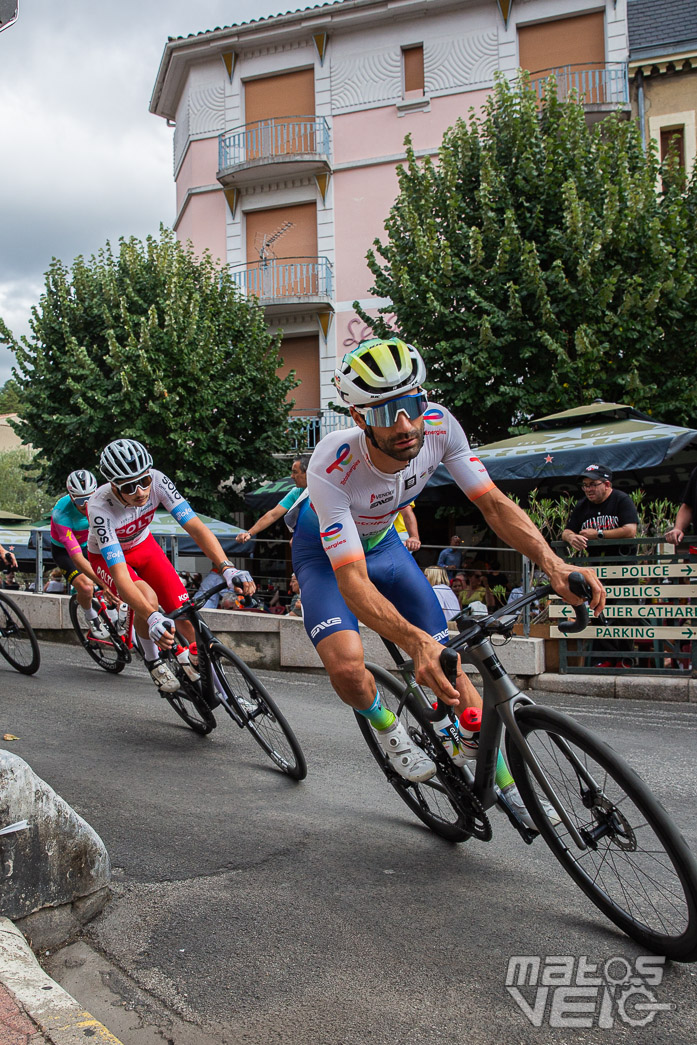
x,y
225,680
18,643
608,831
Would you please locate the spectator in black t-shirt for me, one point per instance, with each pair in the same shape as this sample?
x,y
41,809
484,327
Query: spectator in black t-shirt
x,y
687,512
602,515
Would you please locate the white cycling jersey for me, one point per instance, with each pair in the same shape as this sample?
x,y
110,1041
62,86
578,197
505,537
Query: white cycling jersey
x,y
356,504
115,527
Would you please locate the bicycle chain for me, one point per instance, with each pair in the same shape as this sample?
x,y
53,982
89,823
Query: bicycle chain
x,y
475,820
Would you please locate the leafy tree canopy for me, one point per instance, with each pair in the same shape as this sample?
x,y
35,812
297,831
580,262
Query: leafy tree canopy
x,y
539,266
9,397
157,344
21,491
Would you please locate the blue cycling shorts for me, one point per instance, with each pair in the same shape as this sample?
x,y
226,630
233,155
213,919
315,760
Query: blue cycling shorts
x,y
391,568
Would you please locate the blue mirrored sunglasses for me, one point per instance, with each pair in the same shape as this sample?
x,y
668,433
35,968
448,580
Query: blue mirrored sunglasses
x,y
385,414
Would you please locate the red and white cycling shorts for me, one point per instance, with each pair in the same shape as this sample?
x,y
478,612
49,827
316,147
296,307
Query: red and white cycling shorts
x,y
146,562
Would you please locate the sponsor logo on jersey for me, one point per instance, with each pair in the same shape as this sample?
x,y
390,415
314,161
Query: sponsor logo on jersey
x,y
376,499
411,481
433,417
343,456
324,624
332,533
351,469
441,635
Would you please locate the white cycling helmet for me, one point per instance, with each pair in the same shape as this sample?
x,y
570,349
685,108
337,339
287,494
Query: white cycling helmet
x,y
124,459
378,369
81,483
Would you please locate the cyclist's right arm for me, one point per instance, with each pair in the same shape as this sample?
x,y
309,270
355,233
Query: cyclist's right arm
x,y
342,544
128,590
82,564
377,612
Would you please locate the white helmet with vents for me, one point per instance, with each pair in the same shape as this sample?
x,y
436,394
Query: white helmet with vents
x,y
379,369
124,459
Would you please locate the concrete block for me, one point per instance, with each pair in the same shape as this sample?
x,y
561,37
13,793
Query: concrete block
x,y
234,621
522,656
52,926
259,649
296,649
645,687
43,611
578,685
57,860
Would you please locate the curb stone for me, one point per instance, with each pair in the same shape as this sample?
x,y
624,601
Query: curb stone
x,y
60,1019
625,687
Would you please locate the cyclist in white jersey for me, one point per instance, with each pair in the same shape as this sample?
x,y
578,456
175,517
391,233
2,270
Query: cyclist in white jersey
x,y
129,561
351,565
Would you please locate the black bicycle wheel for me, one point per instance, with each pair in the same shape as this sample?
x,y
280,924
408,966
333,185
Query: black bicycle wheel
x,y
637,868
112,653
247,701
435,802
18,643
188,702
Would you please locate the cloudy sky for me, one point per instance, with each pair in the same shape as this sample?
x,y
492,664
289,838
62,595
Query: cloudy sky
x,y
83,160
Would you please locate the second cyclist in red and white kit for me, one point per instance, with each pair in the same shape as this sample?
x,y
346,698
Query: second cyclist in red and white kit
x,y
129,561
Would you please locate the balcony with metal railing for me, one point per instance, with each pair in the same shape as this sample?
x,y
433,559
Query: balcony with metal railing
x,y
287,285
312,425
299,144
600,89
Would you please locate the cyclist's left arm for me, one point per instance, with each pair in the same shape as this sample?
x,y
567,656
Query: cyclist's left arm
x,y
212,548
515,528
508,520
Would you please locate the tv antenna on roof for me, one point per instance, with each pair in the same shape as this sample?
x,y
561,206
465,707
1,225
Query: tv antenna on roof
x,y
265,249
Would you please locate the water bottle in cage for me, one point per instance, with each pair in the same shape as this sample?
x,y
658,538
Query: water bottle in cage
x,y
182,655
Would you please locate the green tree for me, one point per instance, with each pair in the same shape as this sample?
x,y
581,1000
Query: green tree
x,y
538,266
157,344
21,490
9,397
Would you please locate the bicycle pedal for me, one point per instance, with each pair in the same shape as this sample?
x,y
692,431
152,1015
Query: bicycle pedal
x,y
528,834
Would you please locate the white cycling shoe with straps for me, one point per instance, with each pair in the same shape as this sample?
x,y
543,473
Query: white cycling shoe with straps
x,y
406,757
515,800
163,677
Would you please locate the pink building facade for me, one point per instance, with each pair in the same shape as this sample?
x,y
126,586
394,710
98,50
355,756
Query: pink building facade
x,y
289,130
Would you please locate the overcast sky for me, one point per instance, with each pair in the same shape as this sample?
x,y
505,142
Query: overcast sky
x,y
83,161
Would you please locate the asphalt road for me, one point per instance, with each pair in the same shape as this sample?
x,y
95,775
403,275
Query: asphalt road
x,y
249,909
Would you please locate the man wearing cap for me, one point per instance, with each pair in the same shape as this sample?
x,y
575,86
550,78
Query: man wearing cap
x,y
602,515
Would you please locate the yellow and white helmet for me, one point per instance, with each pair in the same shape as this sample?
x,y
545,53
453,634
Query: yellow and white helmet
x,y
378,369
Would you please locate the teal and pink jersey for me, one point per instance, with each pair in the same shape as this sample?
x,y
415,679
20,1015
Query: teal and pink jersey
x,y
69,527
356,505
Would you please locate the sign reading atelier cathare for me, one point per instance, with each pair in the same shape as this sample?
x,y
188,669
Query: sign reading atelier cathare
x,y
640,609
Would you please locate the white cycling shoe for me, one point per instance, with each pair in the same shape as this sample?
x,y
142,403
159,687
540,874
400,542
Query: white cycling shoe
x,y
406,757
515,801
98,630
163,677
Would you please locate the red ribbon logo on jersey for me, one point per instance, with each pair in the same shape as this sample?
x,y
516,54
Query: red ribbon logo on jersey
x,y
343,454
